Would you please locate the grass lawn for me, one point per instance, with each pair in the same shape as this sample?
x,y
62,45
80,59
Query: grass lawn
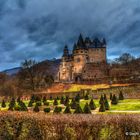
x,y
127,105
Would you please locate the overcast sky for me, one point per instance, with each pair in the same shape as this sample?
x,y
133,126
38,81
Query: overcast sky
x,y
39,29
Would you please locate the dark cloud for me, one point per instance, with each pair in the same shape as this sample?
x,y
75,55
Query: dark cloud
x,y
39,29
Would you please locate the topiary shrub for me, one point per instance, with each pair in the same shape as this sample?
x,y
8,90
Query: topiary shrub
x,y
67,109
102,107
55,102
62,101
77,98
114,100
46,103
87,109
22,106
3,105
86,97
110,96
73,104
39,103
106,105
47,110
78,109
44,99
101,99
30,103
66,102
92,105
57,109
36,108
12,104
121,97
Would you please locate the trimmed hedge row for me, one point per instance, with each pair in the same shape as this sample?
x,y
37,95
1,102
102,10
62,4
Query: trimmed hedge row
x,y
39,126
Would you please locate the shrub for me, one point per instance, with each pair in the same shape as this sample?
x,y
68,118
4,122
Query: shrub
x,y
44,99
77,98
67,109
30,103
105,98
46,103
3,104
47,110
106,104
114,100
121,97
12,104
51,98
92,105
22,106
78,109
36,108
101,99
86,97
55,102
87,109
73,104
62,101
57,109
66,101
110,96
39,103
102,107
18,99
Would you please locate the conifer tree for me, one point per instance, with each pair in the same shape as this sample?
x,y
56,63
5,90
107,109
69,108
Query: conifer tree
x,y
121,97
44,99
101,99
86,97
77,98
78,109
106,104
57,109
36,108
67,109
73,104
18,99
33,98
62,101
12,104
3,104
87,109
47,110
22,106
30,104
55,102
110,96
66,101
114,100
92,105
105,98
102,107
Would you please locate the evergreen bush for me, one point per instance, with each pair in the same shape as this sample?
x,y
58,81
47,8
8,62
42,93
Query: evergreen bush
x,y
102,107
87,109
47,110
92,105
3,104
57,109
55,102
78,109
67,109
121,97
114,100
36,108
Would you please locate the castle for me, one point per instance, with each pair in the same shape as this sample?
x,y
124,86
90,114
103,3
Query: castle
x,y
87,62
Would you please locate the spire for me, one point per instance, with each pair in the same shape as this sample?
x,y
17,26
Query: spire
x,y
80,40
66,51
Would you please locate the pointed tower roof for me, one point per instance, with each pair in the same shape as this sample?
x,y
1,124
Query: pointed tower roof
x,y
65,51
